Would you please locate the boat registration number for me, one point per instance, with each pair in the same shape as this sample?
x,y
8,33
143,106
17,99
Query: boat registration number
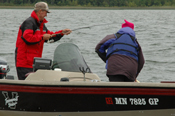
x,y
136,101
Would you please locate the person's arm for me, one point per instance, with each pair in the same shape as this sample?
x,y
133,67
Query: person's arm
x,y
141,60
103,45
101,55
28,36
58,35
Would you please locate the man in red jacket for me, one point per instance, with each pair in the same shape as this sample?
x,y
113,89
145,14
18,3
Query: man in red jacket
x,y
31,37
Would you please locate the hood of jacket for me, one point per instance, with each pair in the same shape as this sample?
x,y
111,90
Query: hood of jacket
x,y
127,30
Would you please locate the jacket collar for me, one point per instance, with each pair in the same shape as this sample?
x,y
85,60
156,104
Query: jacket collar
x,y
33,14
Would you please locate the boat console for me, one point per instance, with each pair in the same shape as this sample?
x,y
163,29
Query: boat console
x,y
68,65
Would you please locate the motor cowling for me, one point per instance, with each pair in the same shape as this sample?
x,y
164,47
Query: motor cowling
x,y
4,69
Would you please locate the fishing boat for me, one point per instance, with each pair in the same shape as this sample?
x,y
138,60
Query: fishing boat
x,y
65,86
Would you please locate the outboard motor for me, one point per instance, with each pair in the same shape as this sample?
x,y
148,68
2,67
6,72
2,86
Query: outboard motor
x,y
4,69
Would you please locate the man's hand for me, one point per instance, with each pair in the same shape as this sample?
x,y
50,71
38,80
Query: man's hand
x,y
46,36
66,31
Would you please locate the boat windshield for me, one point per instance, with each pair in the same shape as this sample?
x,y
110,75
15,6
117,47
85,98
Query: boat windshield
x,y
67,57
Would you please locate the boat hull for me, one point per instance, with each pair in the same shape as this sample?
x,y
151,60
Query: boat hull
x,y
86,98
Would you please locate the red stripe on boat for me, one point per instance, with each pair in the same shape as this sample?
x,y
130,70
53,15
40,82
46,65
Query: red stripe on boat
x,y
88,90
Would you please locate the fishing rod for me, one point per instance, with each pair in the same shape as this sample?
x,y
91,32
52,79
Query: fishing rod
x,y
50,41
90,26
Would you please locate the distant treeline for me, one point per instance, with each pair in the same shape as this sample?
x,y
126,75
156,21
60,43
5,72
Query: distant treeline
x,y
94,3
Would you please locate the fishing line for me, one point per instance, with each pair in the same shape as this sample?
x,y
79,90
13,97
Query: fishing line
x,y
90,26
51,41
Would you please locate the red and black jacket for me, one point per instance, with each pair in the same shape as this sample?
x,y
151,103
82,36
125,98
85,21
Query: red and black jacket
x,y
30,41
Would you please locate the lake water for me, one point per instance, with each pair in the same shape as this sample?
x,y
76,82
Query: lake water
x,y
155,31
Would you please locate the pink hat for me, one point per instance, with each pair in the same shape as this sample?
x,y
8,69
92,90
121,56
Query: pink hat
x,y
128,24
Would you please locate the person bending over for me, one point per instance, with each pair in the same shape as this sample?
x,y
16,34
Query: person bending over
x,y
124,58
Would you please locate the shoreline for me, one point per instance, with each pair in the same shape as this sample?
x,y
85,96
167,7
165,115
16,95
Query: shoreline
x,y
83,7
